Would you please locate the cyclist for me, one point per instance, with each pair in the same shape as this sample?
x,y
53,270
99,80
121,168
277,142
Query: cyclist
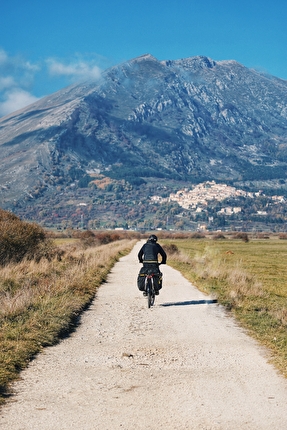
x,y
148,255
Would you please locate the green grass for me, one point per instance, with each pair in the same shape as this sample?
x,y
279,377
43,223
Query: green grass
x,y
249,279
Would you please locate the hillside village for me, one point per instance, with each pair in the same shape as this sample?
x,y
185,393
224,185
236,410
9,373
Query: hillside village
x,y
116,204
204,192
200,196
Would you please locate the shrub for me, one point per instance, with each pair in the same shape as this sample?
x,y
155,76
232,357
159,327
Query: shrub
x,y
171,249
87,238
218,236
262,236
242,236
105,237
20,239
197,235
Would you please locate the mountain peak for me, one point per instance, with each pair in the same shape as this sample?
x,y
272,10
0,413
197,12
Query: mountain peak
x,y
144,57
186,120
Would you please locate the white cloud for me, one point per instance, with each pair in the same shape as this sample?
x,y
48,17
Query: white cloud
x,y
6,82
16,99
3,57
18,77
21,70
76,71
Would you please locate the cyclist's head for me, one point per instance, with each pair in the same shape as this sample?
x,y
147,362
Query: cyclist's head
x,y
152,238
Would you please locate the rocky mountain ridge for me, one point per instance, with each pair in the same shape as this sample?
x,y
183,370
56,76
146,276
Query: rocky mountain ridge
x,y
146,122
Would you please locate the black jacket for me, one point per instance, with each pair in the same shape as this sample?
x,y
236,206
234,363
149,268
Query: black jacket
x,y
149,253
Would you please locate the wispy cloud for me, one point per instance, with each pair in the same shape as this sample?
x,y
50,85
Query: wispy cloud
x,y
6,82
3,57
21,70
16,99
75,71
19,77
16,79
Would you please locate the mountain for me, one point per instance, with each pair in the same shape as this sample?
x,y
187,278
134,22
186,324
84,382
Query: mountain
x,y
145,123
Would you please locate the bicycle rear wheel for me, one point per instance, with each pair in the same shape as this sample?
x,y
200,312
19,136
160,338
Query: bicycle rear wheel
x,y
151,294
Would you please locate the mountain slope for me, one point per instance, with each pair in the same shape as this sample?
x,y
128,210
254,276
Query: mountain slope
x,y
191,119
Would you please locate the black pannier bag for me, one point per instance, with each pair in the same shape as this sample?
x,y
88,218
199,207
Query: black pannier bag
x,y
141,281
157,278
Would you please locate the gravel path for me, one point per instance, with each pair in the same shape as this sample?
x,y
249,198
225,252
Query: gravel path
x,y
183,364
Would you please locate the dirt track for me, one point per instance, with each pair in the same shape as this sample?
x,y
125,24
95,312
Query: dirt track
x,y
183,364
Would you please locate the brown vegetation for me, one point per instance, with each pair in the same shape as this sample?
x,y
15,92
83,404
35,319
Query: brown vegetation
x,y
241,235
19,240
43,293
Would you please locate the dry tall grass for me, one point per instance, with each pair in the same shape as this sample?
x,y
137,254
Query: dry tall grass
x,y
44,286
210,266
42,300
248,277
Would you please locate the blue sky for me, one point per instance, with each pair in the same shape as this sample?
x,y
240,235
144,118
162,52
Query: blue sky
x,y
47,45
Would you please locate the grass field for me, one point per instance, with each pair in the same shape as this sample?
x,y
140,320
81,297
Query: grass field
x,y
248,278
